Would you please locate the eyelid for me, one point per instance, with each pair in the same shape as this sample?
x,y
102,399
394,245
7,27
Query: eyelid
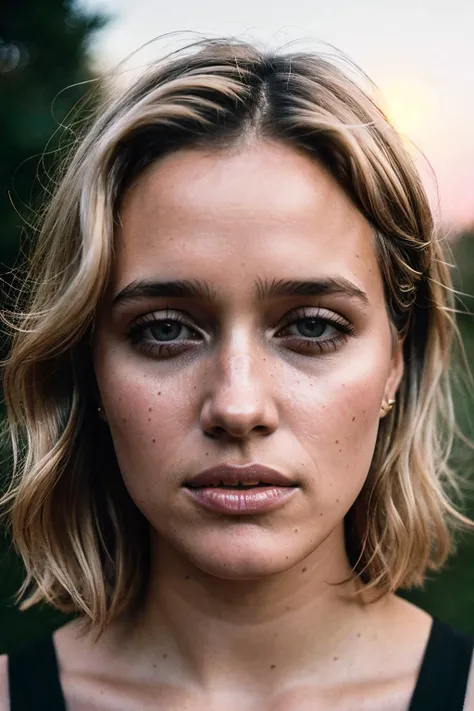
x,y
319,313
150,318
290,318
164,315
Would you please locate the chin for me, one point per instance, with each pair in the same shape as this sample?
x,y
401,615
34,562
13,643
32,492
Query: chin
x,y
234,561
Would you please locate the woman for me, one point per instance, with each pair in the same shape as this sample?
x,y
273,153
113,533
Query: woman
x,y
225,395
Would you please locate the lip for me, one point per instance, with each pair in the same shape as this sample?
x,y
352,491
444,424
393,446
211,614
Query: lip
x,y
241,502
233,474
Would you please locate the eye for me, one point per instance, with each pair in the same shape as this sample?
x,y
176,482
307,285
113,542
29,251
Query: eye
x,y
310,327
315,331
163,334
167,330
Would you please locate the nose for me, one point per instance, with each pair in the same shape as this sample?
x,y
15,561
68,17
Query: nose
x,y
239,401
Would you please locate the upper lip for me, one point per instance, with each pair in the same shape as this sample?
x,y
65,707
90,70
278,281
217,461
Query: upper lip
x,y
235,474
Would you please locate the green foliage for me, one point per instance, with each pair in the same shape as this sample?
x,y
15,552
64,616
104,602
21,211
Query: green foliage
x,y
43,60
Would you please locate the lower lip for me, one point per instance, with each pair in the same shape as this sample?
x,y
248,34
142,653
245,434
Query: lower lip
x,y
242,501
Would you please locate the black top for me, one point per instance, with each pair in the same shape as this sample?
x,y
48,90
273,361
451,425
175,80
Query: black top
x,y
441,686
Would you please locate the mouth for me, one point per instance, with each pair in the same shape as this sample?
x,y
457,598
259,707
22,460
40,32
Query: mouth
x,y
250,476
224,485
241,490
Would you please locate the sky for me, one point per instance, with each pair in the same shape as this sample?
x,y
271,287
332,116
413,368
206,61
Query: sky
x,y
420,53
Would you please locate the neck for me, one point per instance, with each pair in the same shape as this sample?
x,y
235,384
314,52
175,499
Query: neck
x,y
255,630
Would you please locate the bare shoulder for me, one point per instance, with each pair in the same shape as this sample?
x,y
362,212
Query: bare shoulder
x,y
469,705
4,700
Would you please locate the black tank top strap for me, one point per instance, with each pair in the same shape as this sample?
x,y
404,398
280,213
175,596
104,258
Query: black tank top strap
x,y
444,672
33,678
35,685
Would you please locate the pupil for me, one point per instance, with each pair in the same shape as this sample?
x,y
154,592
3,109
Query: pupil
x,y
311,327
165,330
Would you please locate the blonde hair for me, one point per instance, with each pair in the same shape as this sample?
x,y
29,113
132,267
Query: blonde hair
x,y
83,542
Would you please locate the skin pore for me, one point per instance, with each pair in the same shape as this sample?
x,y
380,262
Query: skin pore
x,y
243,612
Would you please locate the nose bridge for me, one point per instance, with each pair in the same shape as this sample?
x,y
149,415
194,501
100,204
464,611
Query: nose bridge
x,y
238,369
239,397
238,385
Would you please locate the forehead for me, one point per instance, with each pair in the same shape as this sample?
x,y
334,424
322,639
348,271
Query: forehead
x,y
265,210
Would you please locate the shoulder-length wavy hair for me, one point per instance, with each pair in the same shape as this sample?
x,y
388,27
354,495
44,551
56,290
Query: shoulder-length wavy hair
x,y
82,539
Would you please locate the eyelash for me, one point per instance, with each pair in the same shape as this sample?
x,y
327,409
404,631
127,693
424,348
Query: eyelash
x,y
343,327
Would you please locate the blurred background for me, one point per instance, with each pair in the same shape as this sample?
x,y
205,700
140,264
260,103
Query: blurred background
x,y
418,53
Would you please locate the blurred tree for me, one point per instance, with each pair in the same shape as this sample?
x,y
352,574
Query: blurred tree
x,y
43,60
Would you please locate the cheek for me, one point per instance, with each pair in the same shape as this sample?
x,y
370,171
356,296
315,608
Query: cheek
x,y
149,417
335,417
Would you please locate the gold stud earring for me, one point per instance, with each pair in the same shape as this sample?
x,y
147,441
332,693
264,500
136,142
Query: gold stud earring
x,y
387,406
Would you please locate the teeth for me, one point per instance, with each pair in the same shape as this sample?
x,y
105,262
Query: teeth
x,y
240,483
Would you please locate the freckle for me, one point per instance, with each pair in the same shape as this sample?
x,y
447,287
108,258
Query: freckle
x,y
273,666
287,608
340,450
150,409
124,419
296,530
165,655
321,513
337,501
287,557
207,454
358,634
304,570
153,440
149,419
335,659
337,441
154,666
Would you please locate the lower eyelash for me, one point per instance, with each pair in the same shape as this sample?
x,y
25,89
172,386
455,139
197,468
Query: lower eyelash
x,y
330,344
157,349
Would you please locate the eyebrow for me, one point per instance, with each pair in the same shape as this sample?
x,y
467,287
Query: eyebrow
x,y
264,289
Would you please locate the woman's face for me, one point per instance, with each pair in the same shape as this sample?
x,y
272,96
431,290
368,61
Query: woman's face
x,y
275,348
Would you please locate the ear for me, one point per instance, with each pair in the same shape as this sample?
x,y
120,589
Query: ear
x,y
395,374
